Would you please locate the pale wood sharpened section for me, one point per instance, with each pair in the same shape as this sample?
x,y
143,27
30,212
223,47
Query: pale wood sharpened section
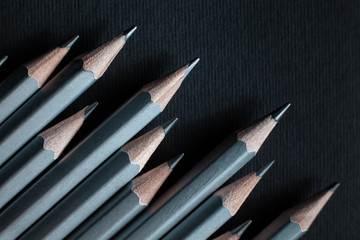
x,y
255,135
98,60
234,194
141,148
227,236
42,67
147,185
57,137
163,90
305,213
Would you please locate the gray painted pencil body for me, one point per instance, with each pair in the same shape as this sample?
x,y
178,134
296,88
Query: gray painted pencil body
x,y
38,154
28,79
217,209
83,159
3,60
127,203
212,172
295,222
124,165
236,233
55,96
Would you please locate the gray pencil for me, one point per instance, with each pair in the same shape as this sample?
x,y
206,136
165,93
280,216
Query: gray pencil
x,y
236,233
295,222
29,78
38,154
210,174
125,205
56,95
2,60
123,166
217,209
90,153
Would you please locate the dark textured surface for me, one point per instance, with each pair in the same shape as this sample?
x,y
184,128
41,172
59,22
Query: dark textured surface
x,y
255,56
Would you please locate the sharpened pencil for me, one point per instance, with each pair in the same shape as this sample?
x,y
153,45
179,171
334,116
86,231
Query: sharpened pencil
x,y
217,209
295,222
56,95
115,131
2,60
29,78
38,154
236,233
125,205
118,170
222,163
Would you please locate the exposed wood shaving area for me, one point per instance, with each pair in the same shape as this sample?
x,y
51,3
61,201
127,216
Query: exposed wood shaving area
x,y
234,194
42,67
227,236
141,148
57,137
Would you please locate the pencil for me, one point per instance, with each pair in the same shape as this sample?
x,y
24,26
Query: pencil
x,y
208,175
126,204
217,209
123,166
29,78
236,233
38,154
89,154
56,95
295,222
2,60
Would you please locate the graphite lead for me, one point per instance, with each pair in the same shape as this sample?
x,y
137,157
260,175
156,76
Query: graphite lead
x,y
38,154
125,205
208,175
56,95
236,233
29,78
295,222
217,209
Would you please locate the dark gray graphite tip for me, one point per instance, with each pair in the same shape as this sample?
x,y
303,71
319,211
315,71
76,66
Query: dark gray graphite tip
x,y
3,60
69,43
261,171
191,65
129,32
90,108
278,113
333,187
242,228
173,162
169,124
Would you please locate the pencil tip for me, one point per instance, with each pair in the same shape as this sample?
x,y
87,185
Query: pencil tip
x,y
90,108
3,60
261,172
334,186
129,32
169,124
191,65
69,43
242,228
278,113
173,162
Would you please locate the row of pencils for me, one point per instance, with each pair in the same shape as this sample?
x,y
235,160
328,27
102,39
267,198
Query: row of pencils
x,y
93,192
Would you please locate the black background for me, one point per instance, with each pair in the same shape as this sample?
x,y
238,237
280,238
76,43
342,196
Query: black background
x,y
255,56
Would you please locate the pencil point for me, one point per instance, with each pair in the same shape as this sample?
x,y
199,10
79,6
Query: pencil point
x,y
90,109
129,32
278,113
173,162
3,60
169,124
261,172
191,65
69,43
242,228
334,186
